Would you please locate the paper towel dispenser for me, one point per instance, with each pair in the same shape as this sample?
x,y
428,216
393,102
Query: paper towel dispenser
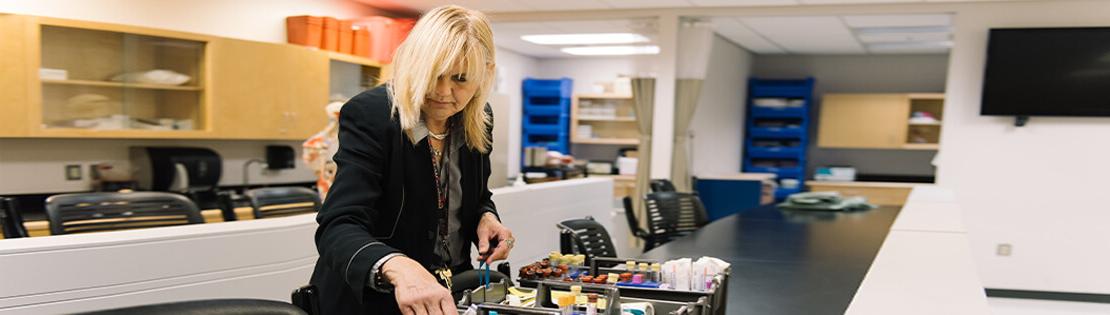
x,y
176,169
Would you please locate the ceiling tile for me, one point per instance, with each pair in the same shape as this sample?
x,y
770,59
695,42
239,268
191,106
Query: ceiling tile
x,y
855,1
736,3
587,26
637,4
807,35
902,37
565,5
741,35
492,5
906,20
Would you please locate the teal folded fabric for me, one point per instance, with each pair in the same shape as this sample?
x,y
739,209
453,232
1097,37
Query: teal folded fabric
x,y
825,201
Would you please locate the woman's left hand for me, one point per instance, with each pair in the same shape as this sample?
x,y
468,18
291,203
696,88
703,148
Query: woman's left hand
x,y
490,229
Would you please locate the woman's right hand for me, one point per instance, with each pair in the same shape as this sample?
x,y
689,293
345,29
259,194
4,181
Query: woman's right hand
x,y
416,290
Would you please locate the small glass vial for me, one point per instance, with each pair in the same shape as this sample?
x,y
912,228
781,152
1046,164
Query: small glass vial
x,y
657,272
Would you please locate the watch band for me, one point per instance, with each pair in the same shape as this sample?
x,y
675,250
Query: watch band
x,y
377,280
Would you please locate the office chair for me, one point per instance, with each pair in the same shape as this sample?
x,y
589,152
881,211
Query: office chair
x,y
11,221
634,225
670,215
211,307
660,185
105,211
586,236
282,201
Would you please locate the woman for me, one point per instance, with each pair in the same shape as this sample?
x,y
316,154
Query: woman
x,y
410,194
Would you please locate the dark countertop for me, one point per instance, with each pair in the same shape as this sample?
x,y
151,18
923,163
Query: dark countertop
x,y
788,261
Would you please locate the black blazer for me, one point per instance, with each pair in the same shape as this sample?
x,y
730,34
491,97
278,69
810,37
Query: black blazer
x,y
383,201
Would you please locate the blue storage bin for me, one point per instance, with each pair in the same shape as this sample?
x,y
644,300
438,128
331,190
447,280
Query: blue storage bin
x,y
542,87
557,129
796,139
775,132
780,112
774,152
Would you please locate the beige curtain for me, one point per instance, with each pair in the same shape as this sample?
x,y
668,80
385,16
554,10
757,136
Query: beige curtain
x,y
643,94
695,42
686,100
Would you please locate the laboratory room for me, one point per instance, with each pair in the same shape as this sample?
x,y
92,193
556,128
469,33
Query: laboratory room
x,y
593,157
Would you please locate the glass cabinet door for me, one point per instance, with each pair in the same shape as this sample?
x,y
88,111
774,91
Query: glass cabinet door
x,y
104,80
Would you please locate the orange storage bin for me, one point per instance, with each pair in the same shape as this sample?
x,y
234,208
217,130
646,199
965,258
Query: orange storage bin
x,y
346,37
304,30
381,37
361,45
331,34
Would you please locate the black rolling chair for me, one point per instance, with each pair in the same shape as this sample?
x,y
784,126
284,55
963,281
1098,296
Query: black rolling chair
x,y
670,215
105,211
587,237
209,307
11,221
661,185
634,225
282,201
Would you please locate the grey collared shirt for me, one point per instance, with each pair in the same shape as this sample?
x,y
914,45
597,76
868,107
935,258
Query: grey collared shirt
x,y
454,193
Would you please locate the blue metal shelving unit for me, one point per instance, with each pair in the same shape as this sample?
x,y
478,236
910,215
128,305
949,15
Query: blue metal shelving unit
x,y
776,138
547,114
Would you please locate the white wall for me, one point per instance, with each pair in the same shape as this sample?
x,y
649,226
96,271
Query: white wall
x,y
587,71
718,124
1040,188
513,67
39,164
261,20
862,74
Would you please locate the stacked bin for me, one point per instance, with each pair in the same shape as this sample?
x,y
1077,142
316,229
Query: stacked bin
x,y
547,114
777,138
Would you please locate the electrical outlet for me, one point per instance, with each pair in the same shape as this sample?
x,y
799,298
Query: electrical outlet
x,y
1003,249
73,172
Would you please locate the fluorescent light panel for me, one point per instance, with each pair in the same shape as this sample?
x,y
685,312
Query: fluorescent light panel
x,y
586,39
612,50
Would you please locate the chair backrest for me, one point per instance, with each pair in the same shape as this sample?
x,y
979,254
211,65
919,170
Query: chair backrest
x,y
105,211
672,214
11,221
589,238
212,307
630,215
282,201
661,185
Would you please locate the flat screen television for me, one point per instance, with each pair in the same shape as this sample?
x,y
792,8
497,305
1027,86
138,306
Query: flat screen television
x,y
1047,72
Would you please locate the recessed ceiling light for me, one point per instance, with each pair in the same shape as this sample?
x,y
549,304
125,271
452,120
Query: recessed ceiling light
x,y
612,50
586,39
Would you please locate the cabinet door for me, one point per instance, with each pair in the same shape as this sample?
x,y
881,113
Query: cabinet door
x,y
260,89
307,113
15,75
863,121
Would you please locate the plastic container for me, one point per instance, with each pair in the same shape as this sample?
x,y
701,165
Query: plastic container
x,y
381,37
346,37
304,30
361,43
331,34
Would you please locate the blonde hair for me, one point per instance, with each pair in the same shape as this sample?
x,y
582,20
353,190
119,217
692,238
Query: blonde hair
x,y
442,38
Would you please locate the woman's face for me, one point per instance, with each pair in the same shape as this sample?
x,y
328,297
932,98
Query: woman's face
x,y
451,94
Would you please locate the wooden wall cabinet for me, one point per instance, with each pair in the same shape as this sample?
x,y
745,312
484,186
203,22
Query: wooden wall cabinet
x,y
879,121
237,89
268,91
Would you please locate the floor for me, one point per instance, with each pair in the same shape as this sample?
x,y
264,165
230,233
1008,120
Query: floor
x,y
1006,306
